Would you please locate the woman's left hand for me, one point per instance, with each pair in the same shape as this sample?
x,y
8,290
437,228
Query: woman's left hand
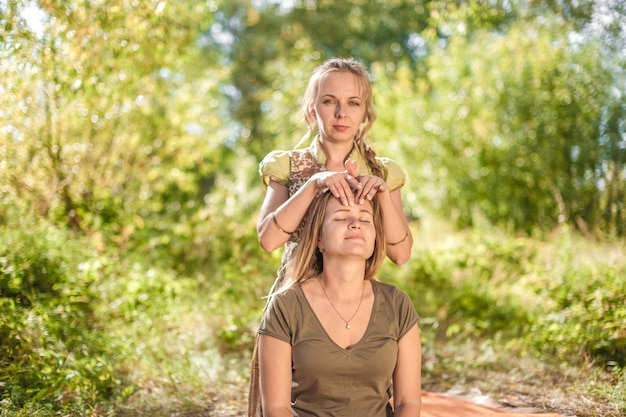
x,y
370,184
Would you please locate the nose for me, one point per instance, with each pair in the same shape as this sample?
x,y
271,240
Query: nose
x,y
354,223
339,112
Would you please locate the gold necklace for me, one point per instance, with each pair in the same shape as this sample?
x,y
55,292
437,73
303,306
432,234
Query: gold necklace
x,y
339,314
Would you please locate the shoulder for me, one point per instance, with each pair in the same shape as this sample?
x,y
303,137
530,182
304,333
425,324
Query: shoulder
x,y
274,157
393,296
288,295
281,316
284,303
279,164
275,166
388,162
395,177
390,291
399,305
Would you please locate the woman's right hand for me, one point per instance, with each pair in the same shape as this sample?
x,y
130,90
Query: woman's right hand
x,y
340,183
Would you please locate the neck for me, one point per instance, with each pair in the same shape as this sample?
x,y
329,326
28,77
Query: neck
x,y
336,152
347,276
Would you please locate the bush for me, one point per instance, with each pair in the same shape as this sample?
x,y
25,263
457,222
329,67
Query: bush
x,y
467,289
587,317
493,286
50,350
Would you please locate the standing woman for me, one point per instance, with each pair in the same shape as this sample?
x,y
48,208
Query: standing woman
x,y
339,112
333,339
338,109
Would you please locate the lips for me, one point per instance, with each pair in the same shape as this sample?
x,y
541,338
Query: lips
x,y
341,128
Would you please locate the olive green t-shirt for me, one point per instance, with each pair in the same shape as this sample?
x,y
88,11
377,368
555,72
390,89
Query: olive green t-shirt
x,y
328,380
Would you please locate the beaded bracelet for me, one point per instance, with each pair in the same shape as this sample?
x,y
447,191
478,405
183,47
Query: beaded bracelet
x,y
277,226
406,236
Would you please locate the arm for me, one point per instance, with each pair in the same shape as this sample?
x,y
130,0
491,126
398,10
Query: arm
x,y
289,212
275,376
407,392
397,231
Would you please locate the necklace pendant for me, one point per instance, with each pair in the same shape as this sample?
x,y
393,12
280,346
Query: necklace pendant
x,y
347,325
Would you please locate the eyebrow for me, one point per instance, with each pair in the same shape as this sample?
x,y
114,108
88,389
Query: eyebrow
x,y
349,98
363,210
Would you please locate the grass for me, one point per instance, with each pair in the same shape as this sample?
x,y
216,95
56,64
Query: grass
x,y
476,369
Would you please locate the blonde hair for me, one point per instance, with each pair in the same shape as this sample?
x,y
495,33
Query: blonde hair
x,y
363,76
307,262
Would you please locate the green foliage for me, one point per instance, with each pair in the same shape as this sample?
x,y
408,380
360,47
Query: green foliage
x,y
587,316
34,264
51,350
468,288
118,136
130,134
505,119
545,294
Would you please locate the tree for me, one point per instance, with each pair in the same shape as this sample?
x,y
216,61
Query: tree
x,y
524,133
106,109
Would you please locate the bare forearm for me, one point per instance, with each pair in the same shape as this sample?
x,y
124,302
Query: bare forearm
x,y
397,232
274,232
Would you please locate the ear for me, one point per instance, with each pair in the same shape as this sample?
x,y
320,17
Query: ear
x,y
320,246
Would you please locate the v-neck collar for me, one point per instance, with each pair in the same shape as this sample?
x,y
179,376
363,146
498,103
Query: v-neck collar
x,y
323,329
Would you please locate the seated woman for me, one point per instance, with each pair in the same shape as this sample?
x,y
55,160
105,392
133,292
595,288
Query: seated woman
x,y
334,340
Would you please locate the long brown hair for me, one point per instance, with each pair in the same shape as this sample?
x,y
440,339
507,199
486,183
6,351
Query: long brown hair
x,y
360,71
307,262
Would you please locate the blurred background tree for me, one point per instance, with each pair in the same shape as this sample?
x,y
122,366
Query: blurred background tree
x,y
116,112
527,135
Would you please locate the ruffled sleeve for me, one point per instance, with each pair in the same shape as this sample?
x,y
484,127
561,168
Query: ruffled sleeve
x,y
395,177
275,166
